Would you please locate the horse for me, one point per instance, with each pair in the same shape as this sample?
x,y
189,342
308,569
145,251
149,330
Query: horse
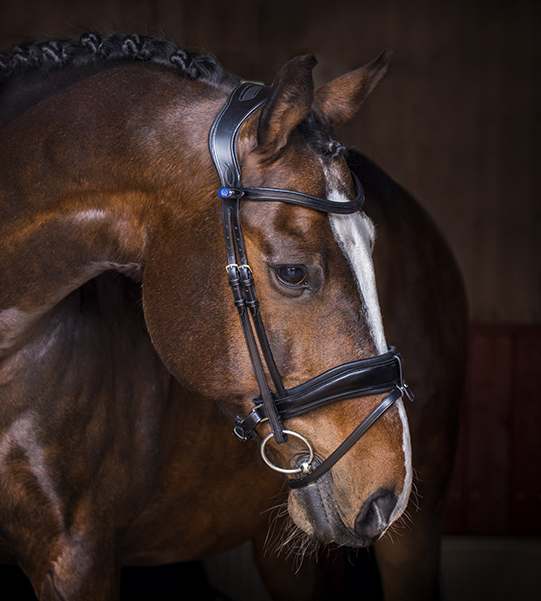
x,y
121,363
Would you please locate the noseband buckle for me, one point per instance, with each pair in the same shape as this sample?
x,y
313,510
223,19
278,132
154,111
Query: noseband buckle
x,y
240,432
407,392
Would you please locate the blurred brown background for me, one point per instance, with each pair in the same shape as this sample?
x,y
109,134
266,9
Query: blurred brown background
x,y
455,124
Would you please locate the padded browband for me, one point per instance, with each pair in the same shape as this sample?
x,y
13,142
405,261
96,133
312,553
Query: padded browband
x,y
242,102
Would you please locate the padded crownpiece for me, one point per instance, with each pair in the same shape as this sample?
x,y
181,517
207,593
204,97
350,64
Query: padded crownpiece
x,y
243,101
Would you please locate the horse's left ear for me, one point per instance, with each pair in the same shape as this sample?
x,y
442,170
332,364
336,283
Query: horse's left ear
x,y
339,100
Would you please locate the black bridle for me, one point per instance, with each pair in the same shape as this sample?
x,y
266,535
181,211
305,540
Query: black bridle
x,y
363,377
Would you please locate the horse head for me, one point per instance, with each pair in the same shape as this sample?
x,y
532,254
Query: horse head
x,y
316,285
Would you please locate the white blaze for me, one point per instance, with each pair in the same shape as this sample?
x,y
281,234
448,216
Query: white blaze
x,y
355,236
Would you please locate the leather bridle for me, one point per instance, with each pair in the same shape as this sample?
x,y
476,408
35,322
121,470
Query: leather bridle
x,y
362,377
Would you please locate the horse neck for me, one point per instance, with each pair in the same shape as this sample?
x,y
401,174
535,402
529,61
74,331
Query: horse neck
x,y
87,179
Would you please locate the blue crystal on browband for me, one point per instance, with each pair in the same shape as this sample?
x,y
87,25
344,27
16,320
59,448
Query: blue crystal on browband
x,y
225,192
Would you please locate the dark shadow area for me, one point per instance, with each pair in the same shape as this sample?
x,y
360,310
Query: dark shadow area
x,y
162,583
361,577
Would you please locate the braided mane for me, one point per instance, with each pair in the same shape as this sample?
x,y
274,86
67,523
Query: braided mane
x,y
93,50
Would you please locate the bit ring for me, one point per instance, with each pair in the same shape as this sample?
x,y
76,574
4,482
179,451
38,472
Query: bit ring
x,y
305,466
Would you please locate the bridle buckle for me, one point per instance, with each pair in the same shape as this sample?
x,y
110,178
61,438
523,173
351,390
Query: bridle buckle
x,y
240,433
407,392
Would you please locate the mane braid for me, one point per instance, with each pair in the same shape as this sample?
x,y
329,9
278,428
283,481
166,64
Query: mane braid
x,y
93,50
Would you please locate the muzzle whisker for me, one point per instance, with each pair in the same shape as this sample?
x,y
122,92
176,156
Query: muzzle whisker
x,y
276,513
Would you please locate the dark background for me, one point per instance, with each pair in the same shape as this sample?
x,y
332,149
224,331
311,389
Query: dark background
x,y
456,122
453,122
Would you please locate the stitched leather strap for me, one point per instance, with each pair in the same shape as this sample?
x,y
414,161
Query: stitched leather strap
x,y
338,453
240,282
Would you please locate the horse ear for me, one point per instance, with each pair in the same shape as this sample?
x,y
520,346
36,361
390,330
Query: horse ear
x,y
289,104
338,100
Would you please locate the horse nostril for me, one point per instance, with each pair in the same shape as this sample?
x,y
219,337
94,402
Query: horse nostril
x,y
375,513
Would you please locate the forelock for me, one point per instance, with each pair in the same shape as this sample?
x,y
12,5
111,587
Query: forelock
x,y
320,138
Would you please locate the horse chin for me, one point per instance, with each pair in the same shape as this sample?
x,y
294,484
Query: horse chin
x,y
313,509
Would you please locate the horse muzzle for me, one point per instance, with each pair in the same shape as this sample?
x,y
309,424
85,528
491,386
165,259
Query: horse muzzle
x,y
318,504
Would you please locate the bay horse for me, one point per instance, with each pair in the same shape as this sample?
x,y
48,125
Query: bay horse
x,y
121,364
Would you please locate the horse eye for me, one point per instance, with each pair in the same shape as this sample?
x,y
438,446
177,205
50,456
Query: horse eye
x,y
291,275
